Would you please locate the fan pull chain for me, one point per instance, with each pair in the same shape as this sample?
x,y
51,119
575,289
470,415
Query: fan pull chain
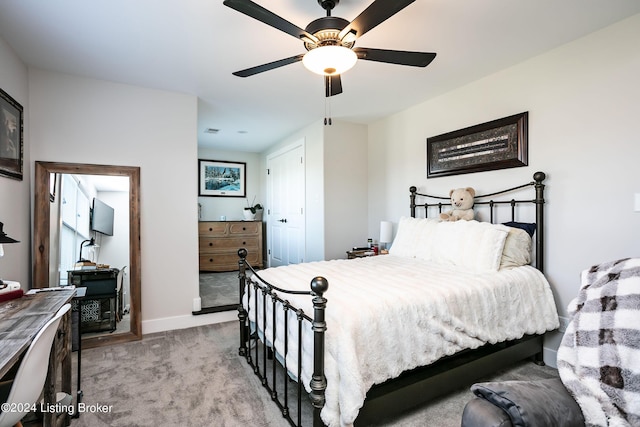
x,y
327,105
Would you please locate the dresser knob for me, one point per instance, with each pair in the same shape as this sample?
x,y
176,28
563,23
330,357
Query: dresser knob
x,y
244,228
210,229
210,244
210,259
244,243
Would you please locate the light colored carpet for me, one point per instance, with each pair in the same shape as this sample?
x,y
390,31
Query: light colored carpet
x,y
217,289
195,377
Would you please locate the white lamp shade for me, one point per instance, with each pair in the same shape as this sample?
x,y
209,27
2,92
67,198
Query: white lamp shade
x,y
386,232
329,60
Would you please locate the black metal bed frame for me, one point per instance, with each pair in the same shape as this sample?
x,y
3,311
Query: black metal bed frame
x,y
412,387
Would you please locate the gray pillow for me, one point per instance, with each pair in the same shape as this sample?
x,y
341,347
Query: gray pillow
x,y
539,403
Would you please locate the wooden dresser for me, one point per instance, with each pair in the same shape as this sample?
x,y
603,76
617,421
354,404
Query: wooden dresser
x,y
219,242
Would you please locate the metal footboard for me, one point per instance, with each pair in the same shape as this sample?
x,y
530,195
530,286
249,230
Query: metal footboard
x,y
262,355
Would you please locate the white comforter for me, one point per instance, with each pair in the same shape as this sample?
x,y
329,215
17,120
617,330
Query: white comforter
x,y
388,314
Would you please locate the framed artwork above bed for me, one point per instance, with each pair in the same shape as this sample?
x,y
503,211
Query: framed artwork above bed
x,y
498,144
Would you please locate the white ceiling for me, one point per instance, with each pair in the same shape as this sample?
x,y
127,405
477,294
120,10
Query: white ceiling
x,y
193,46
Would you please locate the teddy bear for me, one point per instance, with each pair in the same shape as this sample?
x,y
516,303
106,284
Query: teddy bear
x,y
461,203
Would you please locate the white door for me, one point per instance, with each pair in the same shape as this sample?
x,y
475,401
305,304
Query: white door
x,y
285,211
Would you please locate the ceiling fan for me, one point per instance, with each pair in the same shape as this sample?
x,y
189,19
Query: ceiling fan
x,y
330,40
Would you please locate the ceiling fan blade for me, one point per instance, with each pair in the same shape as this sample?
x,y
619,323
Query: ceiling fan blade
x,y
258,12
400,57
377,12
332,85
270,66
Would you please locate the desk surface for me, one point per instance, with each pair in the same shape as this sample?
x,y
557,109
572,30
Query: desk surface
x,y
22,318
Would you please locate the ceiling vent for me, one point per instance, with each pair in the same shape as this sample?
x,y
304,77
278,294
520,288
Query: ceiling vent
x,y
211,130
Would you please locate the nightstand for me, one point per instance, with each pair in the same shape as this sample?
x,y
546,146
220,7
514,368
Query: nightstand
x,y
360,253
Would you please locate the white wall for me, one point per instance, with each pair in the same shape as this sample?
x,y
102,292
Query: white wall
x,y
232,207
15,265
583,105
80,120
345,188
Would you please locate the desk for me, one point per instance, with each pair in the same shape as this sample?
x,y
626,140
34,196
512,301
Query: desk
x,y
20,321
100,305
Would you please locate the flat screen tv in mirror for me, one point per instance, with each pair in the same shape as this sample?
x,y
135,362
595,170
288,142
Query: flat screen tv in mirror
x,y
102,218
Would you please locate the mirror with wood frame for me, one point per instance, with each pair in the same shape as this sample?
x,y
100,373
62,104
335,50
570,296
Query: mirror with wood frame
x,y
44,188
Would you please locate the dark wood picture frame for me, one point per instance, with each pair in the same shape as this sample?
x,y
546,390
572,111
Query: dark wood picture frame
x,y
221,178
498,144
11,137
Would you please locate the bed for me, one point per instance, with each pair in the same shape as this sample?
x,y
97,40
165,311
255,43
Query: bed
x,y
451,302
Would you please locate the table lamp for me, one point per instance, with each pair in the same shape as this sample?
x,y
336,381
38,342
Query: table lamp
x,y
386,234
92,243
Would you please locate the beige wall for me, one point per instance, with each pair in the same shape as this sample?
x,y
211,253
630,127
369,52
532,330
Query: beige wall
x,y
345,184
82,120
583,106
15,265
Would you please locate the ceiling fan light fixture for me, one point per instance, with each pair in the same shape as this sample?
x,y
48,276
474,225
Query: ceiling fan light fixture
x,y
329,60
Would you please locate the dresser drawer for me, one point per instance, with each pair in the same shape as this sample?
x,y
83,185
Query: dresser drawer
x,y
212,244
247,227
212,228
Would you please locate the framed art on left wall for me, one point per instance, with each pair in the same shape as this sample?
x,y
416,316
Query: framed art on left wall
x,y
11,136
221,178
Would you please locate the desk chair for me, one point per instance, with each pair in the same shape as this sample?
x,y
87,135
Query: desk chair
x,y
28,383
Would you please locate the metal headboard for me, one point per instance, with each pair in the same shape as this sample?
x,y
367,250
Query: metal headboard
x,y
486,199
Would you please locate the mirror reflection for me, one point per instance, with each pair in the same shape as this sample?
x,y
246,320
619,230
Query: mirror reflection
x,y
87,234
89,247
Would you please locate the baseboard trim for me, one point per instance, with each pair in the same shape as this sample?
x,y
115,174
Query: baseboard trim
x,y
188,321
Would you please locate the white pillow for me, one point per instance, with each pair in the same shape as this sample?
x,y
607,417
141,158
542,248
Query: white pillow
x,y
517,249
412,237
425,233
470,244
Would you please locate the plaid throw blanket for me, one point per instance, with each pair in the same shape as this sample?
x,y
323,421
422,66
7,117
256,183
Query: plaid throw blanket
x,y
599,358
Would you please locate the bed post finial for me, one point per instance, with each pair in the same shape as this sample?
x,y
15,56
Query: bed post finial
x,y
242,313
539,186
318,383
412,199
